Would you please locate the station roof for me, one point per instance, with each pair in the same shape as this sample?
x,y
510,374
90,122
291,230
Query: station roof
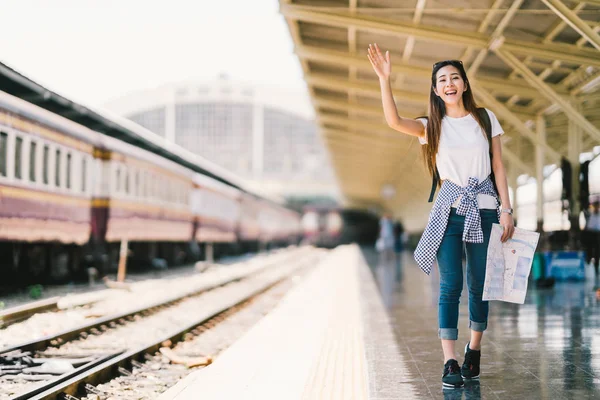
x,y
18,85
525,59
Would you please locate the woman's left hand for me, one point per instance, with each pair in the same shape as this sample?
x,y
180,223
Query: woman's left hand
x,y
506,220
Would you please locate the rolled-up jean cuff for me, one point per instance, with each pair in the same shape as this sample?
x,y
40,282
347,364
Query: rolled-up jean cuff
x,y
477,326
448,333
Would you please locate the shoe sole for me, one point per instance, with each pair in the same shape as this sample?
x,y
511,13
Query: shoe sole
x,y
451,386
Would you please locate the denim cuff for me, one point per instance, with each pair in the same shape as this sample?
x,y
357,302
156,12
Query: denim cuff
x,y
448,333
478,326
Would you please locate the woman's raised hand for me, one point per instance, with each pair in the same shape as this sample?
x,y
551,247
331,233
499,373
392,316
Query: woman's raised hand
x,y
381,64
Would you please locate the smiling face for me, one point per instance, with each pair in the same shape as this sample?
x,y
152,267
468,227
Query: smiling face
x,y
449,85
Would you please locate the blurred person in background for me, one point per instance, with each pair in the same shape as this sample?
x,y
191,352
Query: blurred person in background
x,y
385,242
398,237
592,232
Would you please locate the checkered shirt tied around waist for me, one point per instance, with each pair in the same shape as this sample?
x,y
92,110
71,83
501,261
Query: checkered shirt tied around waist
x,y
429,244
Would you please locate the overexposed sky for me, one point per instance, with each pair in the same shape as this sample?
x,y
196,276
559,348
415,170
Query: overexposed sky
x,y
96,50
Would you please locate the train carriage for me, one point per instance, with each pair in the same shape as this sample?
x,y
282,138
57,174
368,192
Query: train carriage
x,y
69,195
148,197
45,188
216,208
249,224
144,199
44,178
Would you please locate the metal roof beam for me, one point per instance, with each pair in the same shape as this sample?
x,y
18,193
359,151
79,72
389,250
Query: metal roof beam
x,y
312,53
550,51
342,133
512,119
365,146
517,162
334,104
338,105
594,2
379,129
571,18
331,82
369,165
543,87
474,67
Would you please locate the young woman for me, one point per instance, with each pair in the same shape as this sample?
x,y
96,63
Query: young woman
x,y
456,149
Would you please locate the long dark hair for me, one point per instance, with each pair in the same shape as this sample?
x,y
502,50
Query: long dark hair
x,y
437,111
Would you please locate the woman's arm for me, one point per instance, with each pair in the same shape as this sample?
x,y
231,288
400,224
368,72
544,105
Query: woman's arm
x,y
383,68
506,220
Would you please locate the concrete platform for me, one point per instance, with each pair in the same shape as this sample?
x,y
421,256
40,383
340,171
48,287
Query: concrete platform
x,y
362,326
548,348
310,347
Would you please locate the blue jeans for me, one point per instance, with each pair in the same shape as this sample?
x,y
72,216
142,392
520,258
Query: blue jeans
x,y
449,258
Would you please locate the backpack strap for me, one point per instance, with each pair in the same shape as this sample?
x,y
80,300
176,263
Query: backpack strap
x,y
434,183
487,123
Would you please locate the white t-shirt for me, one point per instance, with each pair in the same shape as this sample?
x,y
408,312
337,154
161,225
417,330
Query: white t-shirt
x,y
464,151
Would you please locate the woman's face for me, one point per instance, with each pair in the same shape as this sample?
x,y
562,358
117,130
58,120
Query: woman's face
x,y
449,85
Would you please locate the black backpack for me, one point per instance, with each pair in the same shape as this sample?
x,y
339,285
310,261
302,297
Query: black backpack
x,y
488,131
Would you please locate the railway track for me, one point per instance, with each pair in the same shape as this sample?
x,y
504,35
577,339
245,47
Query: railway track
x,y
117,345
153,300
20,313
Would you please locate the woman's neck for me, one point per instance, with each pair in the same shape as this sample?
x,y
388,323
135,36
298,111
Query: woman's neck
x,y
456,111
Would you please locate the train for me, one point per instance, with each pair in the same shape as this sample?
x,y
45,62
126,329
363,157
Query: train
x,y
330,226
70,195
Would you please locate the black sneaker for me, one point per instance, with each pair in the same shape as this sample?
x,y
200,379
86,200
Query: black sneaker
x,y
470,368
451,378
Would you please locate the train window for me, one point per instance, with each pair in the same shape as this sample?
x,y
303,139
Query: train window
x,y
145,184
68,170
32,158
18,154
126,173
57,168
118,179
164,191
157,195
83,174
3,152
46,156
149,182
142,192
136,187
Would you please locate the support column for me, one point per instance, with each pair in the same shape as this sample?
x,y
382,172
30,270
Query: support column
x,y
209,252
575,143
539,171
